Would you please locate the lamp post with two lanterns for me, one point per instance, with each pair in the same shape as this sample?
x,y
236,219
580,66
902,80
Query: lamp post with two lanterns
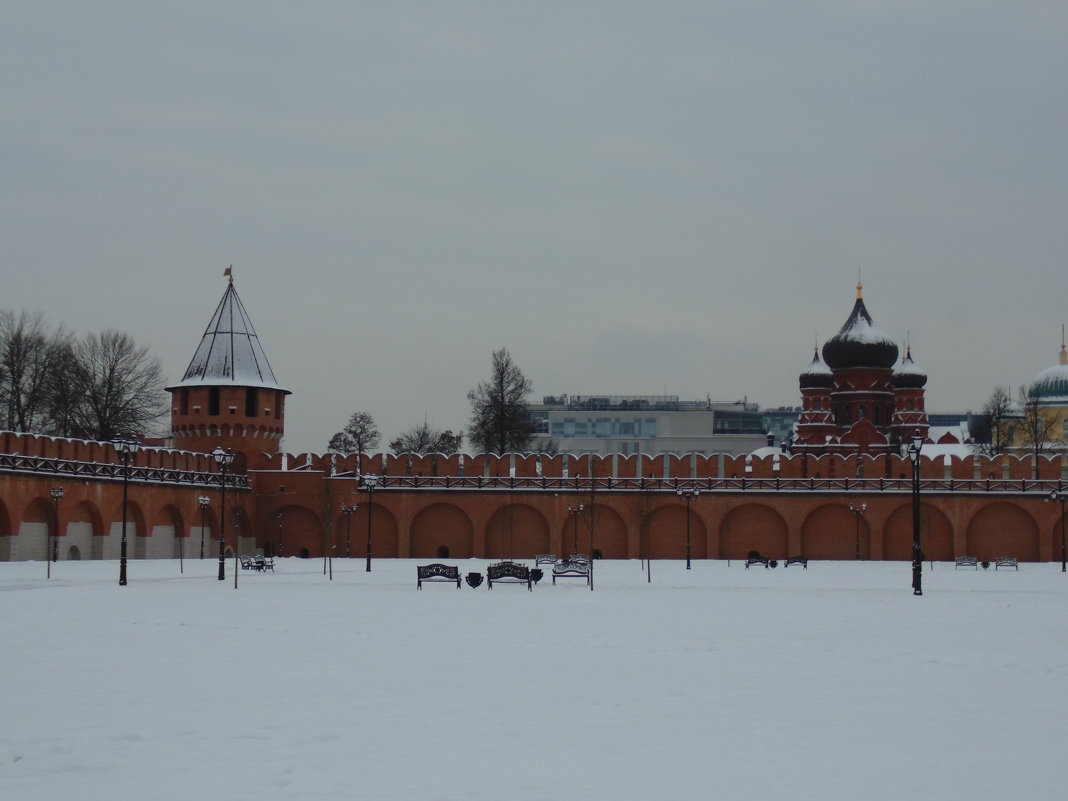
x,y
203,500
858,510
575,511
917,553
127,449
369,483
56,493
689,495
348,510
223,458
1059,496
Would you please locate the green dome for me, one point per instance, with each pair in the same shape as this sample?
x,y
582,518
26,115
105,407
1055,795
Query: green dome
x,y
1051,385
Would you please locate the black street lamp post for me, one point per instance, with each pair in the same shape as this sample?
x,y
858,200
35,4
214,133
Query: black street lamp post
x,y
127,450
224,459
278,517
575,511
689,495
858,510
56,494
1061,497
203,500
369,482
917,552
347,510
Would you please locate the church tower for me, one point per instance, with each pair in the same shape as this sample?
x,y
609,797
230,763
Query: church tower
x,y
228,395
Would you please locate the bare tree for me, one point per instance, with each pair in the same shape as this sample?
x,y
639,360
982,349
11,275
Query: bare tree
x,y
360,434
122,387
500,415
423,439
1037,425
26,346
993,435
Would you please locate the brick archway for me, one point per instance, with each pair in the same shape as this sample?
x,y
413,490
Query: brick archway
x,y
667,527
936,534
1002,529
442,524
516,530
754,527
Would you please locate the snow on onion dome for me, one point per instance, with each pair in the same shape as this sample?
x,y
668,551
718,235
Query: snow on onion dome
x,y
908,375
1051,385
859,343
817,375
230,353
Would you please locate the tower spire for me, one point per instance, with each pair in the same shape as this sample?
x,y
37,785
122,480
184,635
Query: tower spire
x,y
1064,354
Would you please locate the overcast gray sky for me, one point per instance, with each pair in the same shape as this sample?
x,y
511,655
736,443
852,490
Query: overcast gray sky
x,y
632,197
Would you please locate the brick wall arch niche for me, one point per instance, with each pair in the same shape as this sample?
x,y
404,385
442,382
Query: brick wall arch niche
x,y
442,524
516,530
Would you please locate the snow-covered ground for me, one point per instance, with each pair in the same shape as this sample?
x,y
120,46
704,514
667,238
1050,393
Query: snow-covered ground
x,y
719,682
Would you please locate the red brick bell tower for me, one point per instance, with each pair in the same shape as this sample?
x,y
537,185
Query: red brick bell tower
x,y
228,395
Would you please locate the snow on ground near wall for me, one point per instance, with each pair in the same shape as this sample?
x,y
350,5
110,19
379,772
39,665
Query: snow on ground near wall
x,y
719,682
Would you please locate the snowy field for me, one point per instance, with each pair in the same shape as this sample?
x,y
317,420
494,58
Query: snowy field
x,y
715,683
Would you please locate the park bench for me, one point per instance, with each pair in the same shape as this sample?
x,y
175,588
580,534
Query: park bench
x,y
967,561
754,558
571,568
436,572
508,572
545,559
1007,561
262,563
796,560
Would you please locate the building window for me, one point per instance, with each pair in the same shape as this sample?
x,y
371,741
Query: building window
x,y
213,401
251,402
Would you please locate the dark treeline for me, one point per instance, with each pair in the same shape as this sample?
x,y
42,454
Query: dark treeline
x,y
97,386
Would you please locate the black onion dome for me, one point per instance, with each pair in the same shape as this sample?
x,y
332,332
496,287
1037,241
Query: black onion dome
x,y
817,375
859,343
908,375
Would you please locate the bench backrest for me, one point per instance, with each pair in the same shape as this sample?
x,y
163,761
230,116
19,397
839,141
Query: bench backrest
x,y
437,570
508,570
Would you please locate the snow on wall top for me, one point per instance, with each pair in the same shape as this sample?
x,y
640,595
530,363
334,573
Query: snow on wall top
x,y
230,352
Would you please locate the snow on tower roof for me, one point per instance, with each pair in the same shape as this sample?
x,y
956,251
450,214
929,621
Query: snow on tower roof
x,y
230,353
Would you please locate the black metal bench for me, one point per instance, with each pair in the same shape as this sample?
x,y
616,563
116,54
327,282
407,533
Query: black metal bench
x,y
508,572
436,572
754,558
1007,561
571,568
545,559
796,560
966,561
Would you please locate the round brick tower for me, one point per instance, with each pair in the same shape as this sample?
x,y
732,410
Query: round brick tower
x,y
228,395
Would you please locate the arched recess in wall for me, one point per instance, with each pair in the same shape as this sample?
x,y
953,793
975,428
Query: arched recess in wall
x,y
667,529
936,534
442,524
830,532
301,530
754,527
1002,529
32,540
609,533
136,531
166,530
84,529
384,536
516,530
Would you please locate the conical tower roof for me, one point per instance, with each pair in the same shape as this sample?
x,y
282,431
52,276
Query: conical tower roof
x,y
817,375
230,353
